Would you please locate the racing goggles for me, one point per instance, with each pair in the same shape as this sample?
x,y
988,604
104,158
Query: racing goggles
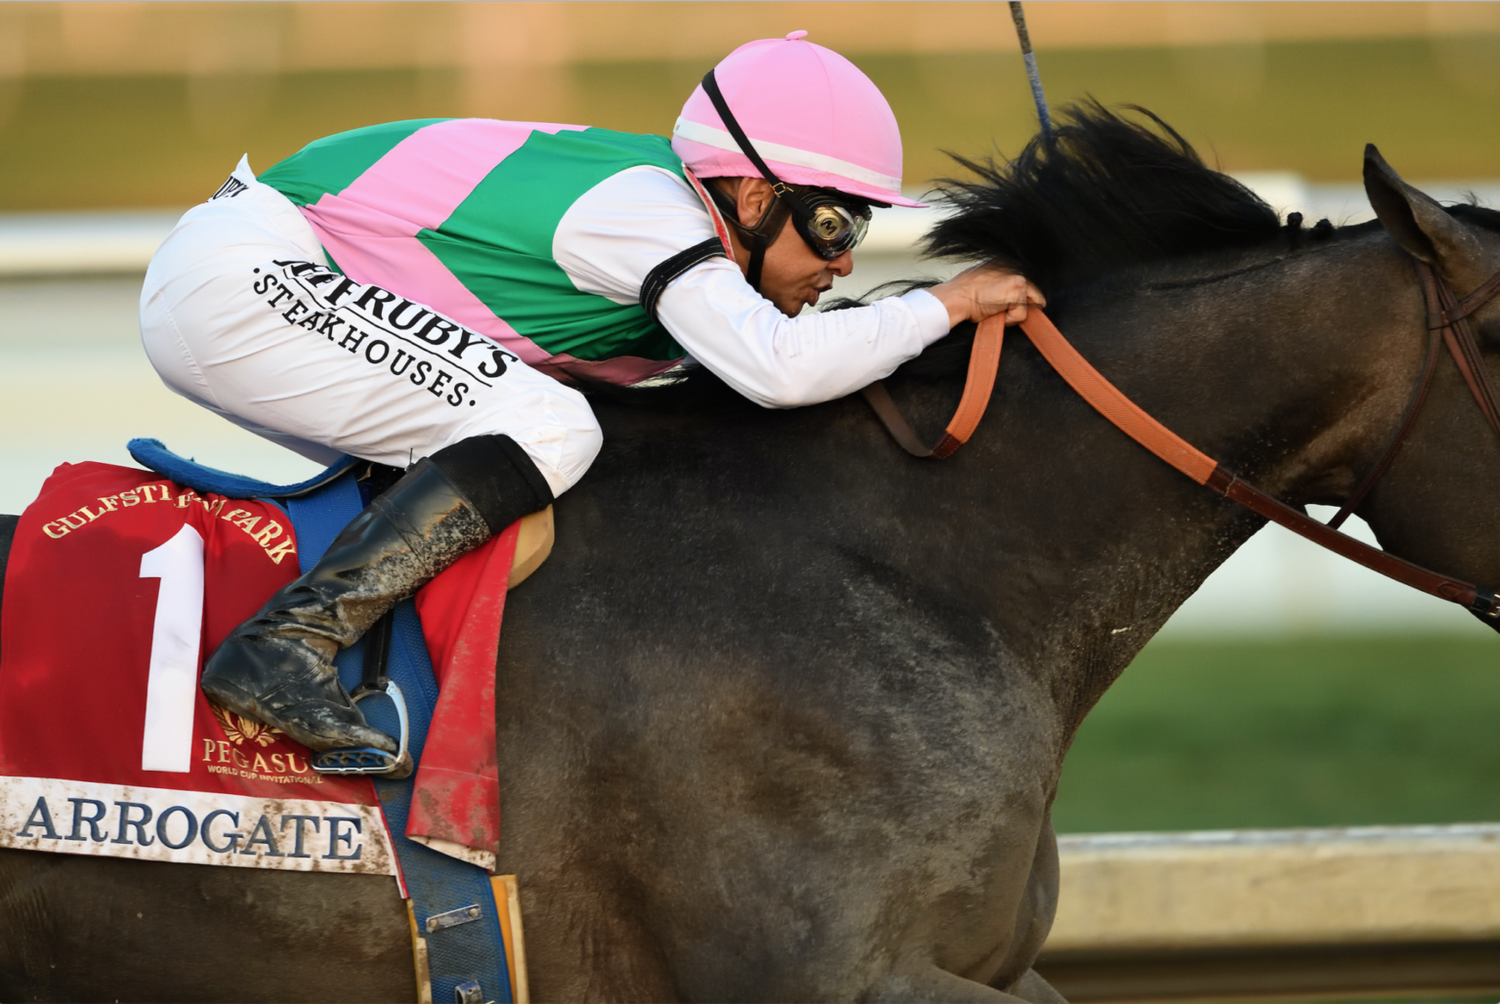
x,y
830,225
827,221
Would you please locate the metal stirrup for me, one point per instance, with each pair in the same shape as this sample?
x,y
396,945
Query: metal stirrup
x,y
367,759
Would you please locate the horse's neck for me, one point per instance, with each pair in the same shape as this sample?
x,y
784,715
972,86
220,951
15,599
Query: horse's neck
x,y
1291,375
1066,542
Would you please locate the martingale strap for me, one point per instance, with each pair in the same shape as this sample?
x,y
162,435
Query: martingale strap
x,y
984,363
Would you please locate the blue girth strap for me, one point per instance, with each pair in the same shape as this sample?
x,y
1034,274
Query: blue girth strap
x,y
453,901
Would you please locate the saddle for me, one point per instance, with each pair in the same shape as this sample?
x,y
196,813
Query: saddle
x,y
466,925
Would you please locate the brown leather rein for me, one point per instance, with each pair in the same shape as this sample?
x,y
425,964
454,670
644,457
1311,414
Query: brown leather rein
x,y
1447,324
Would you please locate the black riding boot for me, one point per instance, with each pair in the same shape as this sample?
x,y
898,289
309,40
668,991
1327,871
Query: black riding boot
x,y
278,667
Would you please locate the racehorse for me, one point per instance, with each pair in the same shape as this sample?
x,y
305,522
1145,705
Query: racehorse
x,y
783,715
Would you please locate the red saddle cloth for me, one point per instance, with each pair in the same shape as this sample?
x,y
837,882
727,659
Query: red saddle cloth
x,y
455,807
119,583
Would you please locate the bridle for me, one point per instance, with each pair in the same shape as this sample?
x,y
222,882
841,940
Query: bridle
x,y
1448,324
1447,321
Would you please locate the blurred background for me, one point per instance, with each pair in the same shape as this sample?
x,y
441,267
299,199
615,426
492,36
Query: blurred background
x,y
1293,690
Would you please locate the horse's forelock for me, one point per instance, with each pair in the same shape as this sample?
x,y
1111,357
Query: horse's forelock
x,y
1105,193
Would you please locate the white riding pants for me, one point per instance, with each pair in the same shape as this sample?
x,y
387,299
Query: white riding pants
x,y
241,314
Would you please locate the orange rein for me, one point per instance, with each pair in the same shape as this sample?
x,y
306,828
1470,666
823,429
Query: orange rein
x,y
1125,414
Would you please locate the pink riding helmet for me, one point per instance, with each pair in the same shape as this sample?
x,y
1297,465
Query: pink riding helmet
x,y
812,115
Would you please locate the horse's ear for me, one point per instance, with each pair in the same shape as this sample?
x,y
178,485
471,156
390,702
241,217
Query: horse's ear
x,y
1412,217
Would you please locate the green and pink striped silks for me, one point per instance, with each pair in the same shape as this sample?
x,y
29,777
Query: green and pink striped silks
x,y
459,215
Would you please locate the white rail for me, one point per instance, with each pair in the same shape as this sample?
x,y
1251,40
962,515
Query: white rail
x,y
1278,912
97,243
121,241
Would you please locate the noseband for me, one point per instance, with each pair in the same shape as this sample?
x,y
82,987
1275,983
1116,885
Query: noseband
x,y
1447,320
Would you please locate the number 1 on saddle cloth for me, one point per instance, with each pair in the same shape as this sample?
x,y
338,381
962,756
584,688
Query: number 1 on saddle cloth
x,y
176,631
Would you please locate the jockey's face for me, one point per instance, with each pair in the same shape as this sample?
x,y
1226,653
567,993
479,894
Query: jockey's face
x,y
793,275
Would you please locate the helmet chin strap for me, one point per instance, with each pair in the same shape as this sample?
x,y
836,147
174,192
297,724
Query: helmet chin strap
x,y
771,224
757,259
757,238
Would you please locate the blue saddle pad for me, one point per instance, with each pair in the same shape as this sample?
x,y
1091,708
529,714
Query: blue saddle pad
x,y
153,455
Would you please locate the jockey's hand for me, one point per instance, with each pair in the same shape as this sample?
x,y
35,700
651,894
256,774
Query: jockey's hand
x,y
978,292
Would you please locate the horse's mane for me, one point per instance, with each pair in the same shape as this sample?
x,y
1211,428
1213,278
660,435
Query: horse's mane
x,y
1101,194
1473,213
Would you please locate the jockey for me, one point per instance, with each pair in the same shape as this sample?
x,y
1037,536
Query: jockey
x,y
419,293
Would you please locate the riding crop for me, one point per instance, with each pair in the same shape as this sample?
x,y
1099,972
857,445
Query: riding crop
x,y
1032,74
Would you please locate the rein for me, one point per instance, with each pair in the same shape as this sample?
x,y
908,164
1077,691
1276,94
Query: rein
x,y
1447,320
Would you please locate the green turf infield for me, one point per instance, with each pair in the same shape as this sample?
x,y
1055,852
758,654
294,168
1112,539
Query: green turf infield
x,y
1316,731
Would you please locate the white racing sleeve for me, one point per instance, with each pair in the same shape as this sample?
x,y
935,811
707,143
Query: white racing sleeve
x,y
629,223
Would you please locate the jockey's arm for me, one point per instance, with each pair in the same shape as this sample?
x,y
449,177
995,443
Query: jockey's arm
x,y
622,228
785,362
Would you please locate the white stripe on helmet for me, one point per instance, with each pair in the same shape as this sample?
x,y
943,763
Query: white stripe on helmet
x,y
720,139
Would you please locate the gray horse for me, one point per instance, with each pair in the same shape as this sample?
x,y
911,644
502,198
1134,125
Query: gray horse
x,y
783,716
